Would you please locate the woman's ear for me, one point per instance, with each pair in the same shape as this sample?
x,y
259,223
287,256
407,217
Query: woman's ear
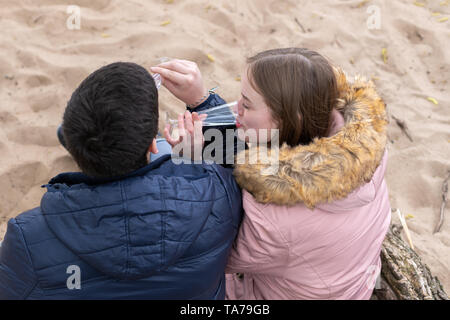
x,y
152,149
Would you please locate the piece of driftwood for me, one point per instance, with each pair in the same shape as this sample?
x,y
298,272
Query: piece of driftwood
x,y
403,274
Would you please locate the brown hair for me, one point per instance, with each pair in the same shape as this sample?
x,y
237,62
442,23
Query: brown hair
x,y
299,86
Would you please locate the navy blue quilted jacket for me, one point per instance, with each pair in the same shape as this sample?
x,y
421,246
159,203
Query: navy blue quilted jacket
x,y
161,232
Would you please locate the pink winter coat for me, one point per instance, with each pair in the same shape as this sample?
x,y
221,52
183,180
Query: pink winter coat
x,y
314,229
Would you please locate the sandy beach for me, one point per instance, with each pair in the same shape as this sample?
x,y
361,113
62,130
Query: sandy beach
x,y
403,46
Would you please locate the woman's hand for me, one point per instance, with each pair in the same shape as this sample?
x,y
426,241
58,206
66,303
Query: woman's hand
x,y
190,135
183,79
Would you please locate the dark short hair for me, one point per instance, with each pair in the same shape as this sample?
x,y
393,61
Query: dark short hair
x,y
300,88
111,120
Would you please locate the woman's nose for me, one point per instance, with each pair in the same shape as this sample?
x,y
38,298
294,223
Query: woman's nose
x,y
240,108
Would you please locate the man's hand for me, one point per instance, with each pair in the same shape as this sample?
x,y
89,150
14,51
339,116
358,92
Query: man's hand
x,y
190,135
183,79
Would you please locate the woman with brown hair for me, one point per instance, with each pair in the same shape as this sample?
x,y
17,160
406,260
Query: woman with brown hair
x,y
312,229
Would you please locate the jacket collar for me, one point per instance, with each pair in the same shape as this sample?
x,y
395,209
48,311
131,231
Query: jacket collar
x,y
329,168
72,178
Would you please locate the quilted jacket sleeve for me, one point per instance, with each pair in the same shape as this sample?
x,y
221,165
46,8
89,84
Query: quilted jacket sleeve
x,y
259,247
17,277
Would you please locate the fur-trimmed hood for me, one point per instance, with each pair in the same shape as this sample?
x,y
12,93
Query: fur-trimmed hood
x,y
329,168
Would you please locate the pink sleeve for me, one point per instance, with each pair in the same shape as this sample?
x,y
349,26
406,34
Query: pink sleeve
x,y
259,247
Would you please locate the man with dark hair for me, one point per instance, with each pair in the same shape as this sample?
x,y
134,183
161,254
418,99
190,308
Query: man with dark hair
x,y
130,225
110,120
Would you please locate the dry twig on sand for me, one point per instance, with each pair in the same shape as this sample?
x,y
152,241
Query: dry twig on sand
x,y
300,25
403,127
444,200
405,227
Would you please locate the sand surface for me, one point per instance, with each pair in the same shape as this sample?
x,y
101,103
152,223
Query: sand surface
x,y
42,61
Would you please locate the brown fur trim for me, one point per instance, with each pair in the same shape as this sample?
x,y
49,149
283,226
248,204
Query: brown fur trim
x,y
329,168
